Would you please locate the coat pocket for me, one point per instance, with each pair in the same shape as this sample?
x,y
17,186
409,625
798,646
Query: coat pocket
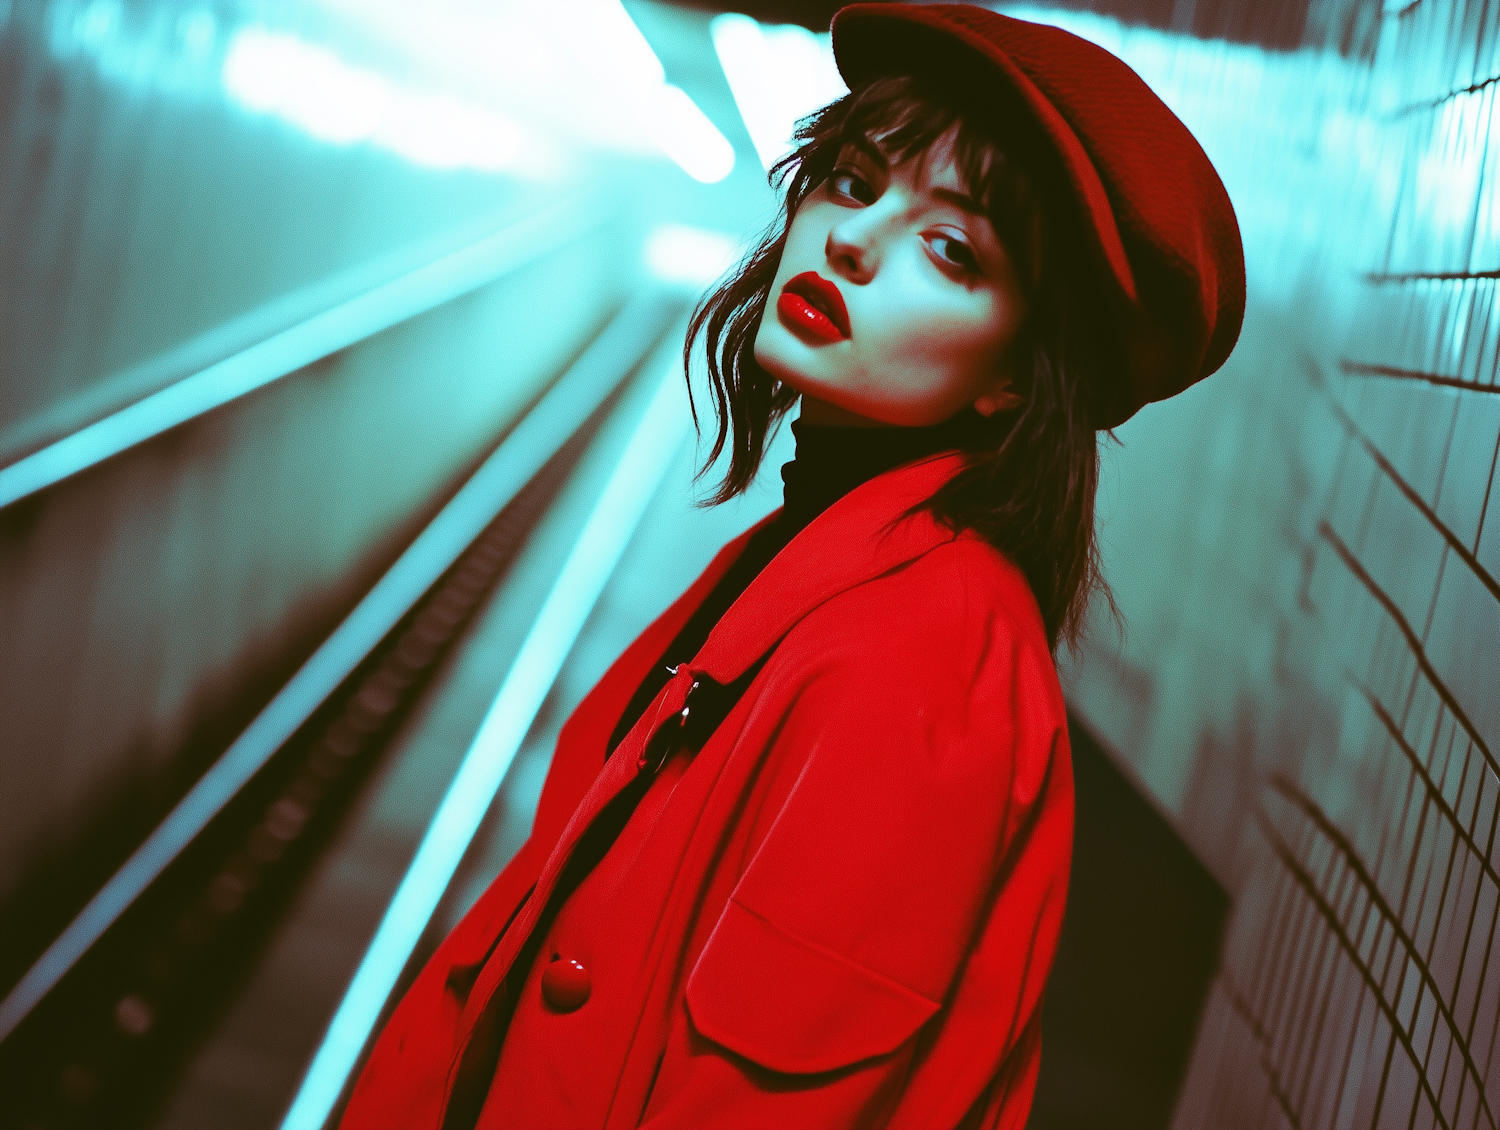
x,y
792,1005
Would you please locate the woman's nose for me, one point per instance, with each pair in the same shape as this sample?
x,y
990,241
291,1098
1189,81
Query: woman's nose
x,y
851,249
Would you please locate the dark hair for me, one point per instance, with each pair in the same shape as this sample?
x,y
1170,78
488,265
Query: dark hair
x,y
1030,476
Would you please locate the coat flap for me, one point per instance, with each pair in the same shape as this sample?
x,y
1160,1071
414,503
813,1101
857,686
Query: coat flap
x,y
792,1005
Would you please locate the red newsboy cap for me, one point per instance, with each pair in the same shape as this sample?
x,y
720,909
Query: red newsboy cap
x,y
1156,212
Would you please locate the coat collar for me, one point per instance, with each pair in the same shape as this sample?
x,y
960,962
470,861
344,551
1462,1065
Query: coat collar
x,y
844,546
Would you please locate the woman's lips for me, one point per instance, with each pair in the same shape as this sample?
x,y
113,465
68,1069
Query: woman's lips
x,y
813,305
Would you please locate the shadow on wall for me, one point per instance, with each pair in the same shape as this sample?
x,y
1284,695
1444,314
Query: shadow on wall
x,y
1139,945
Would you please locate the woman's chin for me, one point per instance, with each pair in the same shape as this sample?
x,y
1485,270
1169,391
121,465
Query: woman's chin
x,y
821,405
772,356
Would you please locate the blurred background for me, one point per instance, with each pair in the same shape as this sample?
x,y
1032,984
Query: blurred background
x,y
343,445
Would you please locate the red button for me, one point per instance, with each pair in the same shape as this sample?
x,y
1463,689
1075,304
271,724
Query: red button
x,y
565,984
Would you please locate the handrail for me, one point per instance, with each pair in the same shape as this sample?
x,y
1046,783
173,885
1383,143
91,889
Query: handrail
x,y
559,619
379,308
559,413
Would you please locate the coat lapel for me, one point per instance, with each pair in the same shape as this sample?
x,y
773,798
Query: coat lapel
x,y
844,546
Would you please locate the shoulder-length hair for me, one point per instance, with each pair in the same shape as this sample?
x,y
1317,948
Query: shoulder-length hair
x,y
1030,473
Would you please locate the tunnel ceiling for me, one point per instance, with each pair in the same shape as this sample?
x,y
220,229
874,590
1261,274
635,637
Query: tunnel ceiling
x,y
1276,24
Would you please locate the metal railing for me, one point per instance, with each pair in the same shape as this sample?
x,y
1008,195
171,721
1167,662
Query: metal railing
x,y
516,460
560,617
307,340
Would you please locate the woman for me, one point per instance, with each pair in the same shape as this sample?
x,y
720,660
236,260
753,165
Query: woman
x,y
802,854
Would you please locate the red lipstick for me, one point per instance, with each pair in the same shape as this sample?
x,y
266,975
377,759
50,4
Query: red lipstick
x,y
813,305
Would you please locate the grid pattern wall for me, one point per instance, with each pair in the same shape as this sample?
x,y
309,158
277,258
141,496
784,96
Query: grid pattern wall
x,y
1360,985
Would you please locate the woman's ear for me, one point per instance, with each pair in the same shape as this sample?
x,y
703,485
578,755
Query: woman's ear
x,y
1000,398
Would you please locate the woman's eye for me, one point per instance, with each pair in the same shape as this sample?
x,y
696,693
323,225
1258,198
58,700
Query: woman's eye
x,y
846,182
954,251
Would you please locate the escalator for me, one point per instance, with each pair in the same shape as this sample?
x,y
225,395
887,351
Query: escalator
x,y
299,428
102,1020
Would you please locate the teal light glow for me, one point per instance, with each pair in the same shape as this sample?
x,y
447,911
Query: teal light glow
x,y
506,87
777,74
314,90
686,135
558,623
302,344
689,256
629,71
514,463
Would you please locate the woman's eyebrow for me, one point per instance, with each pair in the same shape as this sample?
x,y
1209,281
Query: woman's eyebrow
x,y
864,144
959,200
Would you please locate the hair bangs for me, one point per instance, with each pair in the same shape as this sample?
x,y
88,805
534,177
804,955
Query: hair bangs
x,y
995,153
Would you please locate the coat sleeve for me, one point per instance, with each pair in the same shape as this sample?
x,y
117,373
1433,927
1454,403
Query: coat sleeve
x,y
930,733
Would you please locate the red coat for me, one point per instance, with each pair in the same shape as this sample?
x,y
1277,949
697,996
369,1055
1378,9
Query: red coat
x,y
839,912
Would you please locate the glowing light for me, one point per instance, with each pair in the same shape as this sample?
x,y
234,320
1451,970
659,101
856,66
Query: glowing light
x,y
198,31
688,256
513,464
84,29
777,75
278,74
274,357
626,73
687,136
520,84
561,617
313,89
617,53
445,133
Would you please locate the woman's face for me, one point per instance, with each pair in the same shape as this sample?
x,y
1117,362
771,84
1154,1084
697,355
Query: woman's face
x,y
930,302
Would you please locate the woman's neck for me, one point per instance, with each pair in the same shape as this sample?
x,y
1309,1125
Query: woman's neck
x,y
832,460
821,414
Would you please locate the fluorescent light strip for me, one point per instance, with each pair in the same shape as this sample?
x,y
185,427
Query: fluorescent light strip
x,y
532,673
687,135
414,293
530,444
747,65
777,74
311,88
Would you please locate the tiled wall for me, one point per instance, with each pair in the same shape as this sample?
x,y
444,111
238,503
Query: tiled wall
x,y
1307,549
1360,985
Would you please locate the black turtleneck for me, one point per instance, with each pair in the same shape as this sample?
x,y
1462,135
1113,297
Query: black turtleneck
x,y
829,463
